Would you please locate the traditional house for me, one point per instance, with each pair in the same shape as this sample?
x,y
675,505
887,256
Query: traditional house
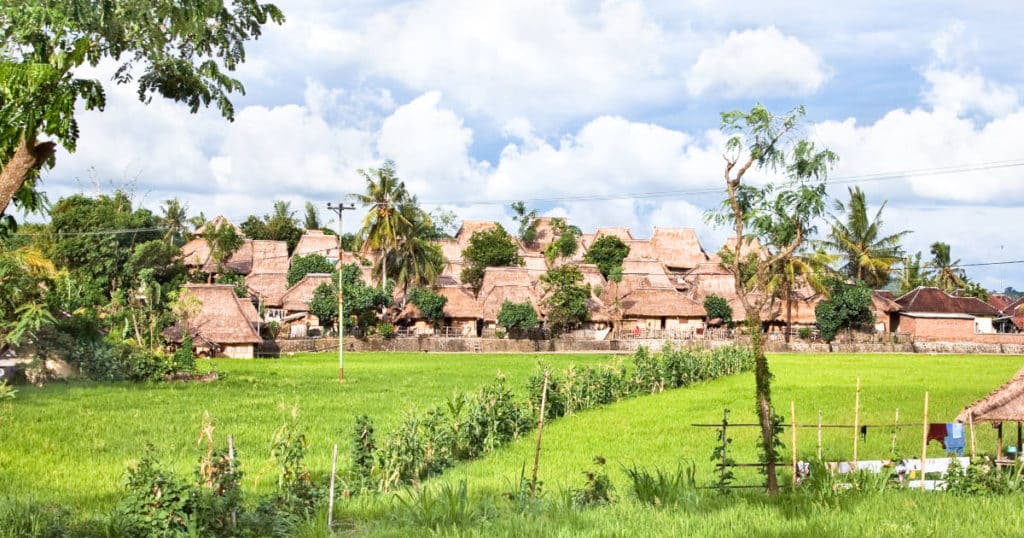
x,y
660,312
1002,405
513,284
678,249
295,304
317,242
929,313
268,279
223,325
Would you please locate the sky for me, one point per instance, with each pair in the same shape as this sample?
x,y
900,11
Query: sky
x,y
481,103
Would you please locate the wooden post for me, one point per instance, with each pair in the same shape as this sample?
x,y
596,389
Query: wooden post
x,y
856,426
540,431
924,439
231,469
970,422
792,413
330,494
895,426
725,441
819,434
999,441
1017,454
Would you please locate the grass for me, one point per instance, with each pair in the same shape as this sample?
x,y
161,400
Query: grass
x,y
69,443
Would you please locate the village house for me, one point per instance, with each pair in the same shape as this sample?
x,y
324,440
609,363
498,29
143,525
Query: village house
x,y
222,325
928,313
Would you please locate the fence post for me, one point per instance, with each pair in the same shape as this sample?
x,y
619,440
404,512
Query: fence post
x,y
792,412
819,434
924,438
330,500
856,425
895,426
725,442
540,431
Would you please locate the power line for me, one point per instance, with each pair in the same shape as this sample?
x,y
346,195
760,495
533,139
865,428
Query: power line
x,y
97,232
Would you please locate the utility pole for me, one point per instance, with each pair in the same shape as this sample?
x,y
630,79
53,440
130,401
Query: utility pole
x,y
340,210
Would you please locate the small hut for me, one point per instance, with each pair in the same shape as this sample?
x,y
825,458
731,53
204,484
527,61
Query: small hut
x,y
1005,404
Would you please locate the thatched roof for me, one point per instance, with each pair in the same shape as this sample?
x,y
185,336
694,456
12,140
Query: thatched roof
x,y
221,319
640,249
1005,404
490,303
461,303
239,262
297,298
269,256
659,302
249,311
883,302
678,247
618,231
215,223
644,274
317,242
268,287
469,227
195,253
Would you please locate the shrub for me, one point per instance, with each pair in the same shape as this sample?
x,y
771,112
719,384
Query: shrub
x,y
517,317
386,330
184,360
157,503
718,307
805,333
597,489
664,489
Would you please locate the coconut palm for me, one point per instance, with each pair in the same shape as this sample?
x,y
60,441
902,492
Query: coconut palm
x,y
868,255
387,220
947,275
416,261
913,274
803,269
175,221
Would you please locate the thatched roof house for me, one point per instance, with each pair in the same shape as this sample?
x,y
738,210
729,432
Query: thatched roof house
x,y
317,242
677,248
514,284
269,256
297,298
223,324
268,287
1004,404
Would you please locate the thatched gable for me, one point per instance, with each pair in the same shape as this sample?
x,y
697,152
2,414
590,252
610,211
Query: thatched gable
x,y
269,257
1004,404
221,319
317,242
195,253
515,284
643,274
621,232
240,261
268,287
468,228
659,302
249,311
640,249
297,298
678,247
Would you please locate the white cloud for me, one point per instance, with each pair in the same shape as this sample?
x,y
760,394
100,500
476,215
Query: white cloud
x,y
757,63
965,92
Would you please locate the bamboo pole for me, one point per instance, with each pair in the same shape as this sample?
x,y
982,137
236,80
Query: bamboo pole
x,y
231,469
540,431
970,422
792,413
725,442
856,426
924,438
330,498
895,427
819,434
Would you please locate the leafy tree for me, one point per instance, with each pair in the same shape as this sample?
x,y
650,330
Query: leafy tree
x,y
809,268
948,276
416,260
161,258
567,242
96,237
361,302
312,220
181,52
912,274
175,222
717,307
527,220
236,280
23,274
848,306
868,255
430,304
487,248
517,317
304,265
324,304
779,214
446,223
607,253
387,219
565,298
279,226
224,241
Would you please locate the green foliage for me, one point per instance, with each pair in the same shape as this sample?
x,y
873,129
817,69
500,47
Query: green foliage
x,y
280,226
527,221
440,509
567,242
597,488
224,241
848,306
805,333
430,304
312,219
362,302
324,304
717,307
517,317
236,280
156,503
607,253
983,478
565,298
386,330
868,255
488,248
184,360
363,447
118,361
309,264
661,489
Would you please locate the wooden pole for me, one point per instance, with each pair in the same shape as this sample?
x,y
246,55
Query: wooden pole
x,y
974,448
895,426
725,441
792,413
924,438
540,431
330,494
819,434
999,441
856,425
1017,455
231,469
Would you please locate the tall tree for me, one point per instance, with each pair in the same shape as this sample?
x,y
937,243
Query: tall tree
x,y
868,255
487,248
312,220
913,274
527,221
175,222
948,275
280,225
778,214
180,51
808,269
565,298
223,241
386,220
567,242
416,260
607,253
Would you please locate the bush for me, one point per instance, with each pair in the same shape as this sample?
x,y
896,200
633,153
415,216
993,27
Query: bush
x,y
157,502
805,333
662,489
386,330
518,318
718,307
597,489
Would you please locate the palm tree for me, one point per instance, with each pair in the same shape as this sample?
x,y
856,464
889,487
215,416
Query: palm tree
x,y
913,274
175,220
416,261
810,269
868,255
386,221
947,275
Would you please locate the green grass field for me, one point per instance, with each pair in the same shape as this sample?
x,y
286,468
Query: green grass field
x,y
70,443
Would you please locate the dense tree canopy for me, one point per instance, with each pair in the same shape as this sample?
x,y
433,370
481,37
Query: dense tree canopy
x,y
308,264
565,298
487,248
517,318
848,306
718,308
279,226
430,304
607,253
567,242
180,51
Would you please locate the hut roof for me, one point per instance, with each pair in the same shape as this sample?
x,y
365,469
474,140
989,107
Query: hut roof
x,y
659,302
678,247
195,253
883,302
490,303
249,311
469,227
268,287
644,274
935,301
221,319
999,301
1004,404
506,276
269,256
297,298
621,232
216,222
317,242
640,249
461,303
239,262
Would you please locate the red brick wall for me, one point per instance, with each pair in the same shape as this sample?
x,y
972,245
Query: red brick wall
x,y
952,330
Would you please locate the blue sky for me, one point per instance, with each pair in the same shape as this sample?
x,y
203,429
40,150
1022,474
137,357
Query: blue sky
x,y
484,101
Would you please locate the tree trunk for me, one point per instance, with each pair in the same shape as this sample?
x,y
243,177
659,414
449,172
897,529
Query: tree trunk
x,y
764,401
789,311
28,156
